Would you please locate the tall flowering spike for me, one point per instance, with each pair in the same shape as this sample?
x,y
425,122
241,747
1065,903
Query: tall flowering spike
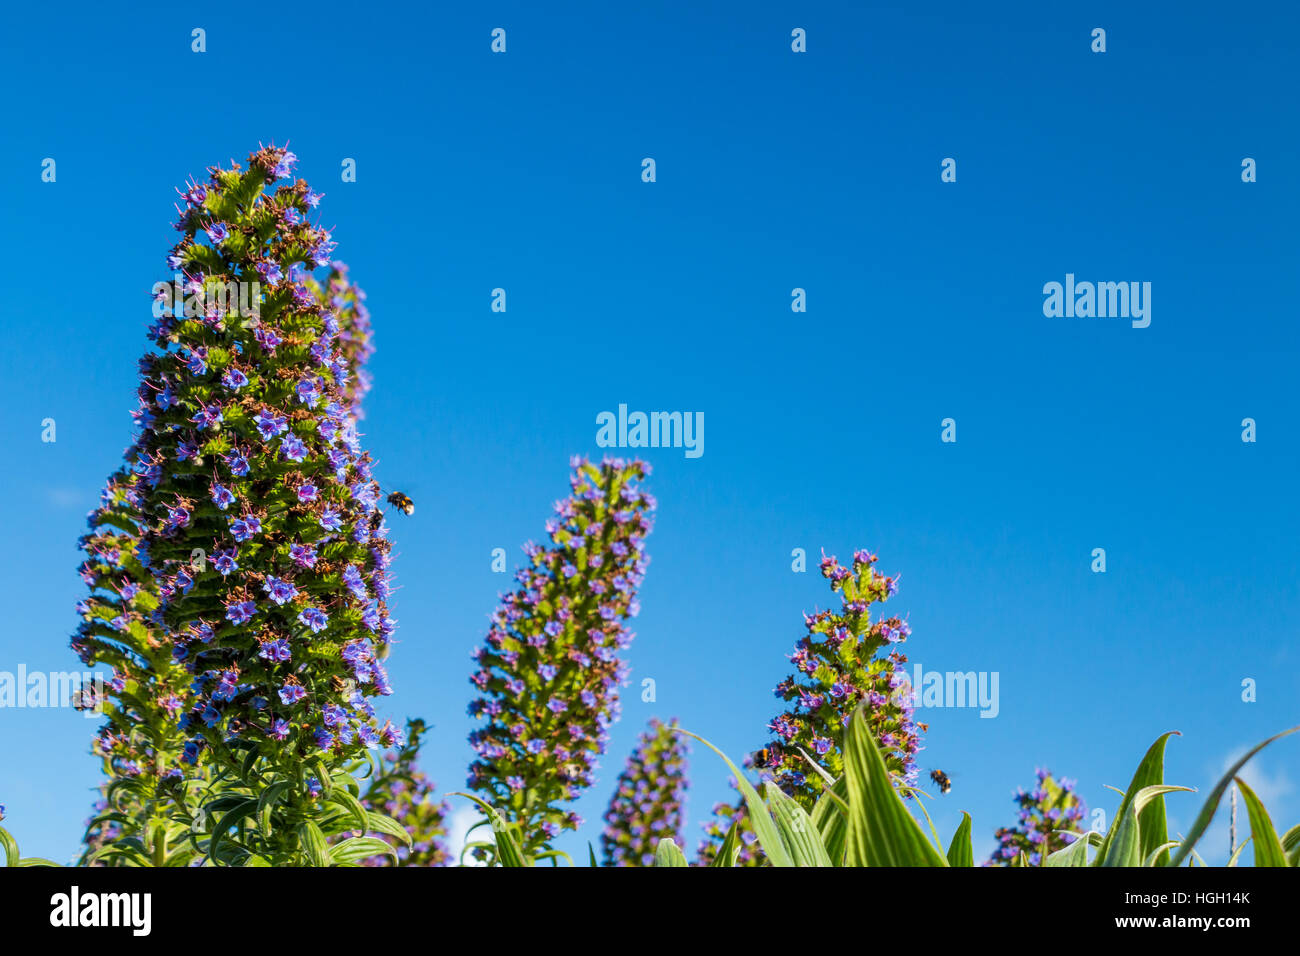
x,y
258,517
845,660
1048,814
123,627
550,668
405,794
254,456
647,804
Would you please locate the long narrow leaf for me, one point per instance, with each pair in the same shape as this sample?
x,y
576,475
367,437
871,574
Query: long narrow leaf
x,y
759,818
1268,848
880,832
1150,772
1125,845
1212,802
802,840
508,851
730,849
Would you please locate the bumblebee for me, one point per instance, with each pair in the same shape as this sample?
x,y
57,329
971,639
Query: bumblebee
x,y
402,503
941,778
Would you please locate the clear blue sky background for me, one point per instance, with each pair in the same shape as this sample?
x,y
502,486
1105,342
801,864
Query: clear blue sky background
x,y
775,171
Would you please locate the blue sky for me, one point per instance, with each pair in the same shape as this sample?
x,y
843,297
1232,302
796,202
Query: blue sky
x,y
775,170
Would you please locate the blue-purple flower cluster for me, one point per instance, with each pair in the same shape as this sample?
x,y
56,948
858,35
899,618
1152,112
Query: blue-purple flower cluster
x,y
1049,816
260,521
404,793
550,668
844,661
647,802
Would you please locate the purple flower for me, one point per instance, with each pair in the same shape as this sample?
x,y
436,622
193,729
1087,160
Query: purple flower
x,y
245,527
240,612
314,618
281,592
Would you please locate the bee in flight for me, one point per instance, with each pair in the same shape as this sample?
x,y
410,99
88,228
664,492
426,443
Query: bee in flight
x,y
941,778
402,503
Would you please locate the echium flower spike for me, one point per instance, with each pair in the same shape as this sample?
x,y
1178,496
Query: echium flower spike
x,y
141,743
845,660
1049,816
249,457
647,803
401,791
550,668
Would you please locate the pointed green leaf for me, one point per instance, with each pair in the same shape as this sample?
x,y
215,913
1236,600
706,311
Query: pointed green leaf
x,y
726,855
768,837
1268,848
880,830
960,850
1150,772
1125,845
1212,802
508,851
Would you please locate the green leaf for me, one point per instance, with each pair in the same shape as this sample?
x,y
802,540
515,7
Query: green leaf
x,y
1155,854
1291,844
1152,825
591,854
830,816
361,848
244,808
668,853
768,837
1236,854
266,803
799,834
11,847
1268,848
726,855
380,823
313,843
508,851
1125,846
1212,802
350,803
1076,854
880,832
960,850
